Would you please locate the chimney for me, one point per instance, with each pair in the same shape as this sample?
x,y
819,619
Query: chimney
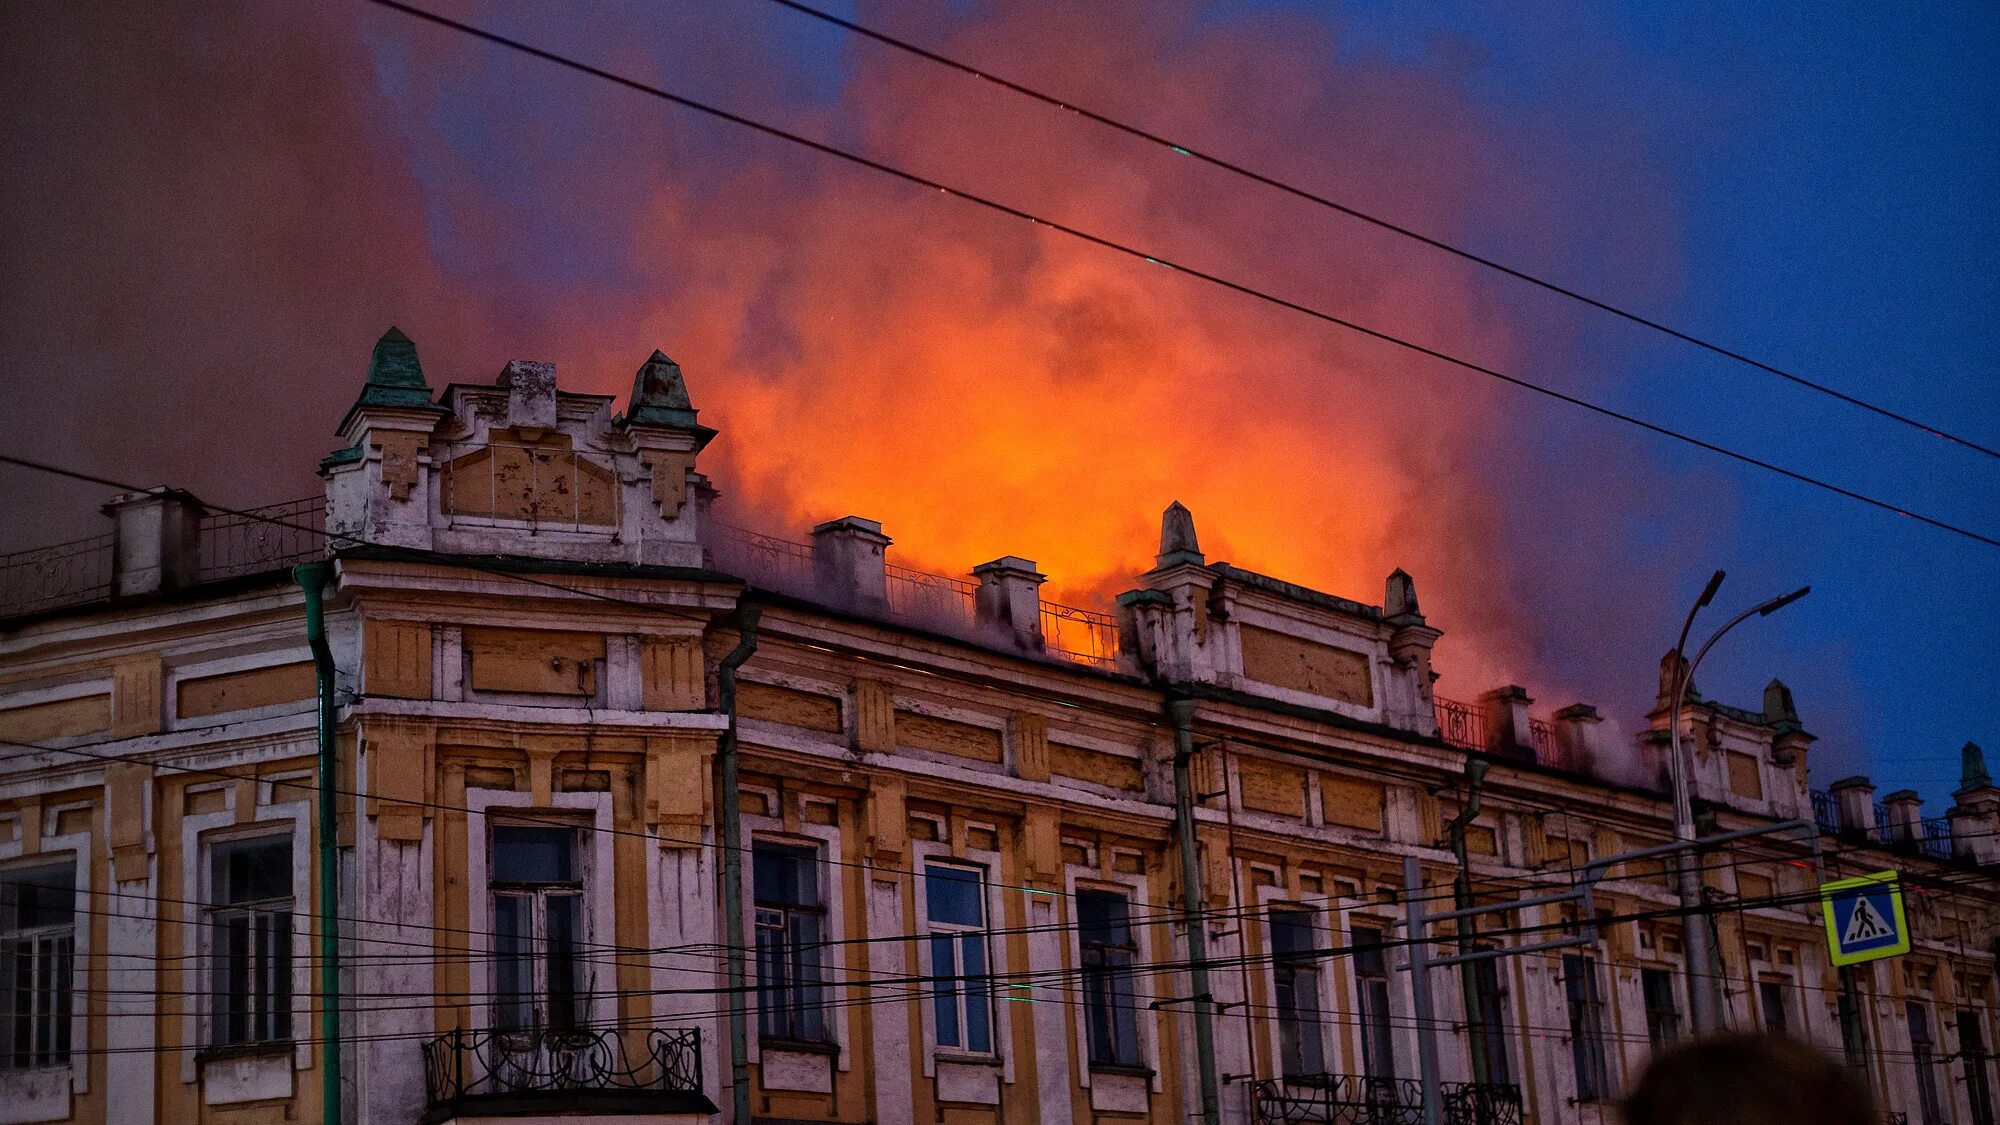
x,y
1975,811
531,395
1507,725
1009,598
1856,798
1905,809
1579,736
849,564
155,541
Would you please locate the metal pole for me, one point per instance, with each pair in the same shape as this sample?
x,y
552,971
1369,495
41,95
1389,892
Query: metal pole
x,y
732,863
1181,711
313,578
1420,989
1853,1036
1705,1001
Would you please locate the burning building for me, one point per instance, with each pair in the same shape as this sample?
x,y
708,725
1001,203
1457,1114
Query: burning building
x,y
638,815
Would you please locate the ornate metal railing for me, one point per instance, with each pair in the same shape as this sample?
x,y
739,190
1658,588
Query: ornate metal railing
x,y
1345,1099
1082,635
766,560
1937,837
1543,736
935,598
1482,1103
1461,724
488,1064
1338,1099
55,576
1826,812
266,538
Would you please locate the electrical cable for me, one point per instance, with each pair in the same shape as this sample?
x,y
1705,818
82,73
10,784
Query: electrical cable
x,y
1374,220
1187,270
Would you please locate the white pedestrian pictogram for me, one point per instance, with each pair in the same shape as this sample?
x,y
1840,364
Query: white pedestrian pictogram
x,y
1865,924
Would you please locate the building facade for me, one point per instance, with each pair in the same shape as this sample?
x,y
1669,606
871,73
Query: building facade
x,y
961,824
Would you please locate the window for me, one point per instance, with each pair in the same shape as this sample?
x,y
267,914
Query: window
x,y
1586,1027
1295,966
790,920
1978,1083
1663,1015
955,900
1775,1008
1922,1056
1104,929
537,928
1371,975
1491,1039
37,949
250,931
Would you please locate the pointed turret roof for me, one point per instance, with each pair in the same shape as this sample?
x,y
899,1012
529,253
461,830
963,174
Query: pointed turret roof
x,y
1972,773
660,398
1177,539
395,378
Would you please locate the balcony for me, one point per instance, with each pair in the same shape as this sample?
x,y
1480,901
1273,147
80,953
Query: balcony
x,y
610,1071
1346,1099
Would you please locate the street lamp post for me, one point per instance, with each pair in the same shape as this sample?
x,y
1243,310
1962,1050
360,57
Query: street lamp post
x,y
1704,978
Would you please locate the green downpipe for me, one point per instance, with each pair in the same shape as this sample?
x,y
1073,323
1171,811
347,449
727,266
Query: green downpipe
x,y
1181,712
732,863
313,578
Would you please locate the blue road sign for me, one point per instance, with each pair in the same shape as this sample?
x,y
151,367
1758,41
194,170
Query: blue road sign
x,y
1864,918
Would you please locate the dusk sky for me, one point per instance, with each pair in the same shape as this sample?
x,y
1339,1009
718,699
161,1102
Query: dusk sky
x,y
211,211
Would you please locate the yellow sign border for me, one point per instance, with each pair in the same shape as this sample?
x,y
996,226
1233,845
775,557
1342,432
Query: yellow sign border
x,y
1893,880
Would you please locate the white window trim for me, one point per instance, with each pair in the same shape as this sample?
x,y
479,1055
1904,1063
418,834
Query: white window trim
x,y
1332,1024
923,853
197,831
75,847
595,858
832,880
1143,921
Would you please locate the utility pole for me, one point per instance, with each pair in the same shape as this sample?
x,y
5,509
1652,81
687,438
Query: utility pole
x,y
1704,969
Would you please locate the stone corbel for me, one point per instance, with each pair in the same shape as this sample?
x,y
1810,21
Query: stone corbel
x,y
400,451
888,820
399,758
670,471
677,787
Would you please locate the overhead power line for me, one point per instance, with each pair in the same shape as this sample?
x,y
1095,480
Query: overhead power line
x,y
1393,227
1187,270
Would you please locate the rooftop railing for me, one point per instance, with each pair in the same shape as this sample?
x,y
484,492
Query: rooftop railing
x,y
55,576
261,539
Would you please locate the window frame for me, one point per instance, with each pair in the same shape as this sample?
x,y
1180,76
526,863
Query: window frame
x,y
1107,970
1374,999
1663,1024
53,1009
537,895
1296,981
1585,1002
1923,1060
274,1025
961,997
1768,986
1492,1007
782,1024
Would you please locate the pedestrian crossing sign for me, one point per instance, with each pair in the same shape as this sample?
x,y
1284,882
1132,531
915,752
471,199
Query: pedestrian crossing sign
x,y
1864,918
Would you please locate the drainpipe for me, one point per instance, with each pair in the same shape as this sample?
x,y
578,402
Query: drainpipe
x,y
313,578
1181,712
732,863
1461,895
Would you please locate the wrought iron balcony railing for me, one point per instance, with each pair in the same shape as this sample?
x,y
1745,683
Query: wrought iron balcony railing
x,y
632,1070
1346,1099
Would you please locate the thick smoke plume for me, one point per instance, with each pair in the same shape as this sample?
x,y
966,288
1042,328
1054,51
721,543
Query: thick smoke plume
x,y
222,204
